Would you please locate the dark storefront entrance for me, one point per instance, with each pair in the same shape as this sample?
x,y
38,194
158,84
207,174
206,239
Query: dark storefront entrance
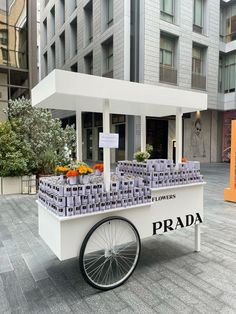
x,y
157,136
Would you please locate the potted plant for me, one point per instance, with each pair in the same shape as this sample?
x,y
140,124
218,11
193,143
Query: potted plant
x,y
141,156
72,176
98,169
61,171
84,170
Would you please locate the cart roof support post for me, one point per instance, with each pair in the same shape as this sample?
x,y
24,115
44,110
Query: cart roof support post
x,y
79,152
143,133
106,150
179,134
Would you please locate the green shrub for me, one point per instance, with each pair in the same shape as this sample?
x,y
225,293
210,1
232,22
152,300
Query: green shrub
x,y
13,152
43,136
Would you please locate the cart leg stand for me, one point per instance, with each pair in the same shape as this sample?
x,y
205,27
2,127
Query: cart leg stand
x,y
179,135
106,151
143,133
197,238
79,154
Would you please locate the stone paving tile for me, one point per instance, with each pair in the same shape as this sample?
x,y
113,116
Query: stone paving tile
x,y
137,305
13,292
5,263
37,270
36,301
164,308
4,304
170,277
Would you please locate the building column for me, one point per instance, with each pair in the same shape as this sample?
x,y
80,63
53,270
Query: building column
x,y
127,23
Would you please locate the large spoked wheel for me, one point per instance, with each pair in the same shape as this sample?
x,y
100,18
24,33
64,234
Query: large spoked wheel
x,y
110,253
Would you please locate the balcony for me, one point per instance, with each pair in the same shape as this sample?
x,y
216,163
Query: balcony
x,y
228,38
198,81
168,75
108,74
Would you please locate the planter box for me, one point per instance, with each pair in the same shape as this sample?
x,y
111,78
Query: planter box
x,y
11,185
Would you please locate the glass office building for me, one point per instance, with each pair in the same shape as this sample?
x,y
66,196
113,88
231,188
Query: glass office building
x,y
18,50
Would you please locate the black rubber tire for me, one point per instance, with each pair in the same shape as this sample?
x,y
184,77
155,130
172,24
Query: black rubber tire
x,y
83,247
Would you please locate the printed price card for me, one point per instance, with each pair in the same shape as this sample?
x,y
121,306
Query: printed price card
x,y
108,140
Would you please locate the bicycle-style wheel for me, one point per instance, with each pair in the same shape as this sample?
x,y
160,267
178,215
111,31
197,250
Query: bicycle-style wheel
x,y
110,253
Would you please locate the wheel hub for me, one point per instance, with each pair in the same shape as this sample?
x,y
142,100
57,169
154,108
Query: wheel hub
x,y
110,252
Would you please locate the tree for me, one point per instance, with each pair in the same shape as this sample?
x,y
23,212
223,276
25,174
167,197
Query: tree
x,y
13,152
44,135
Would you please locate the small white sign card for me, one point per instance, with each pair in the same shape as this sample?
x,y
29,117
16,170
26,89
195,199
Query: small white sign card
x,y
108,140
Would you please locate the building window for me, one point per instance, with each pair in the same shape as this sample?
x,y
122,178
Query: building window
x,y
198,75
198,16
229,73
197,60
88,60
74,67
73,41
45,59
167,10
88,14
108,58
73,5
220,75
4,55
168,73
221,25
53,56
3,37
45,28
167,46
52,12
87,120
109,13
231,23
62,11
62,48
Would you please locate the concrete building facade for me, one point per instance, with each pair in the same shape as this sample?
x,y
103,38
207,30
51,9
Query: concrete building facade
x,y
184,44
18,50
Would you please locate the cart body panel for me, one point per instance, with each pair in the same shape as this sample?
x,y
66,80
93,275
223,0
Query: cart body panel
x,y
173,208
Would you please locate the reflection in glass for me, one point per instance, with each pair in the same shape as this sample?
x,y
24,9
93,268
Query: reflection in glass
x,y
19,78
17,59
17,12
17,39
3,11
14,83
3,35
3,93
3,44
18,92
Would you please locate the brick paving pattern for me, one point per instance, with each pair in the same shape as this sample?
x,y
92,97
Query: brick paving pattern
x,y
170,277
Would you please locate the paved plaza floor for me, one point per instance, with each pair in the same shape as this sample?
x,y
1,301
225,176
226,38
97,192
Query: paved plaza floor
x,y
170,277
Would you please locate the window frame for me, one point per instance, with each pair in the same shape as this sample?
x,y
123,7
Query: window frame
x,y
196,27
200,60
109,57
109,18
164,13
168,51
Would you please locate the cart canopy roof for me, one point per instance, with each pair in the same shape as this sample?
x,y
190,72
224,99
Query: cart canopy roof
x,y
66,90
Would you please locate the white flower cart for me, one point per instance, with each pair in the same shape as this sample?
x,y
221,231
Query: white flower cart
x,y
108,242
